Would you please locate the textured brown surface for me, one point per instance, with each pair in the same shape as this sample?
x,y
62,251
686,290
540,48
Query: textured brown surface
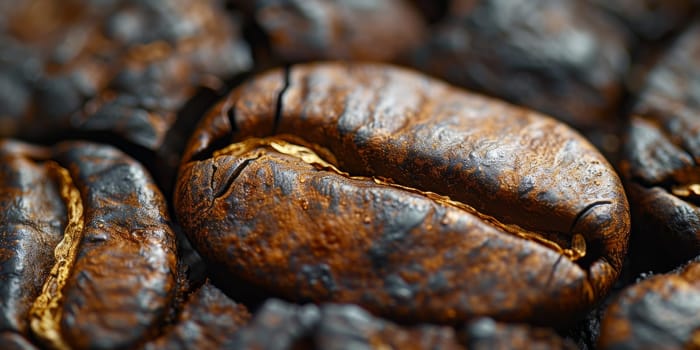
x,y
123,67
524,191
127,257
662,312
486,334
209,321
563,58
303,30
88,255
661,154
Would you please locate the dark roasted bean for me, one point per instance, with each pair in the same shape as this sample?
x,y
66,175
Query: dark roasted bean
x,y
660,158
112,270
662,312
209,321
559,57
455,205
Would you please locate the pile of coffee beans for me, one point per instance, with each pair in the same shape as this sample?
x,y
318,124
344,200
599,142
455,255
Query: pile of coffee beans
x,y
342,174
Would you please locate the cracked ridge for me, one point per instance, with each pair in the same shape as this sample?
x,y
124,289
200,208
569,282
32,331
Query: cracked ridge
x,y
46,312
280,98
232,178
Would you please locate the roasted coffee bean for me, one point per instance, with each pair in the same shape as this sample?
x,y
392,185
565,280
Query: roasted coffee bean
x,y
209,321
651,19
303,30
487,334
564,58
374,185
279,325
112,276
662,312
660,159
122,67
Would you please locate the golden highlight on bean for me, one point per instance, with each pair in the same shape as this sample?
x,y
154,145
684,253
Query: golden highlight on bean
x,y
46,311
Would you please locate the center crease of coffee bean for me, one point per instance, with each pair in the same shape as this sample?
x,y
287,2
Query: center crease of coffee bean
x,y
312,154
45,313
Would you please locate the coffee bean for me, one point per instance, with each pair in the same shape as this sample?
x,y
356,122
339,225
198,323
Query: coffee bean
x,y
89,257
374,185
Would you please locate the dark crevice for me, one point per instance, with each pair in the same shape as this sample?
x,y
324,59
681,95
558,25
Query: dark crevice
x,y
259,43
594,249
231,115
280,99
585,211
170,152
212,178
232,178
554,270
206,153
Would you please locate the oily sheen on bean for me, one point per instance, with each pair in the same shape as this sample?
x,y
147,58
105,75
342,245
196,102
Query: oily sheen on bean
x,y
379,186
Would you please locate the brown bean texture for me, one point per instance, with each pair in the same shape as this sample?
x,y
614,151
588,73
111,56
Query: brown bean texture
x,y
94,254
379,186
